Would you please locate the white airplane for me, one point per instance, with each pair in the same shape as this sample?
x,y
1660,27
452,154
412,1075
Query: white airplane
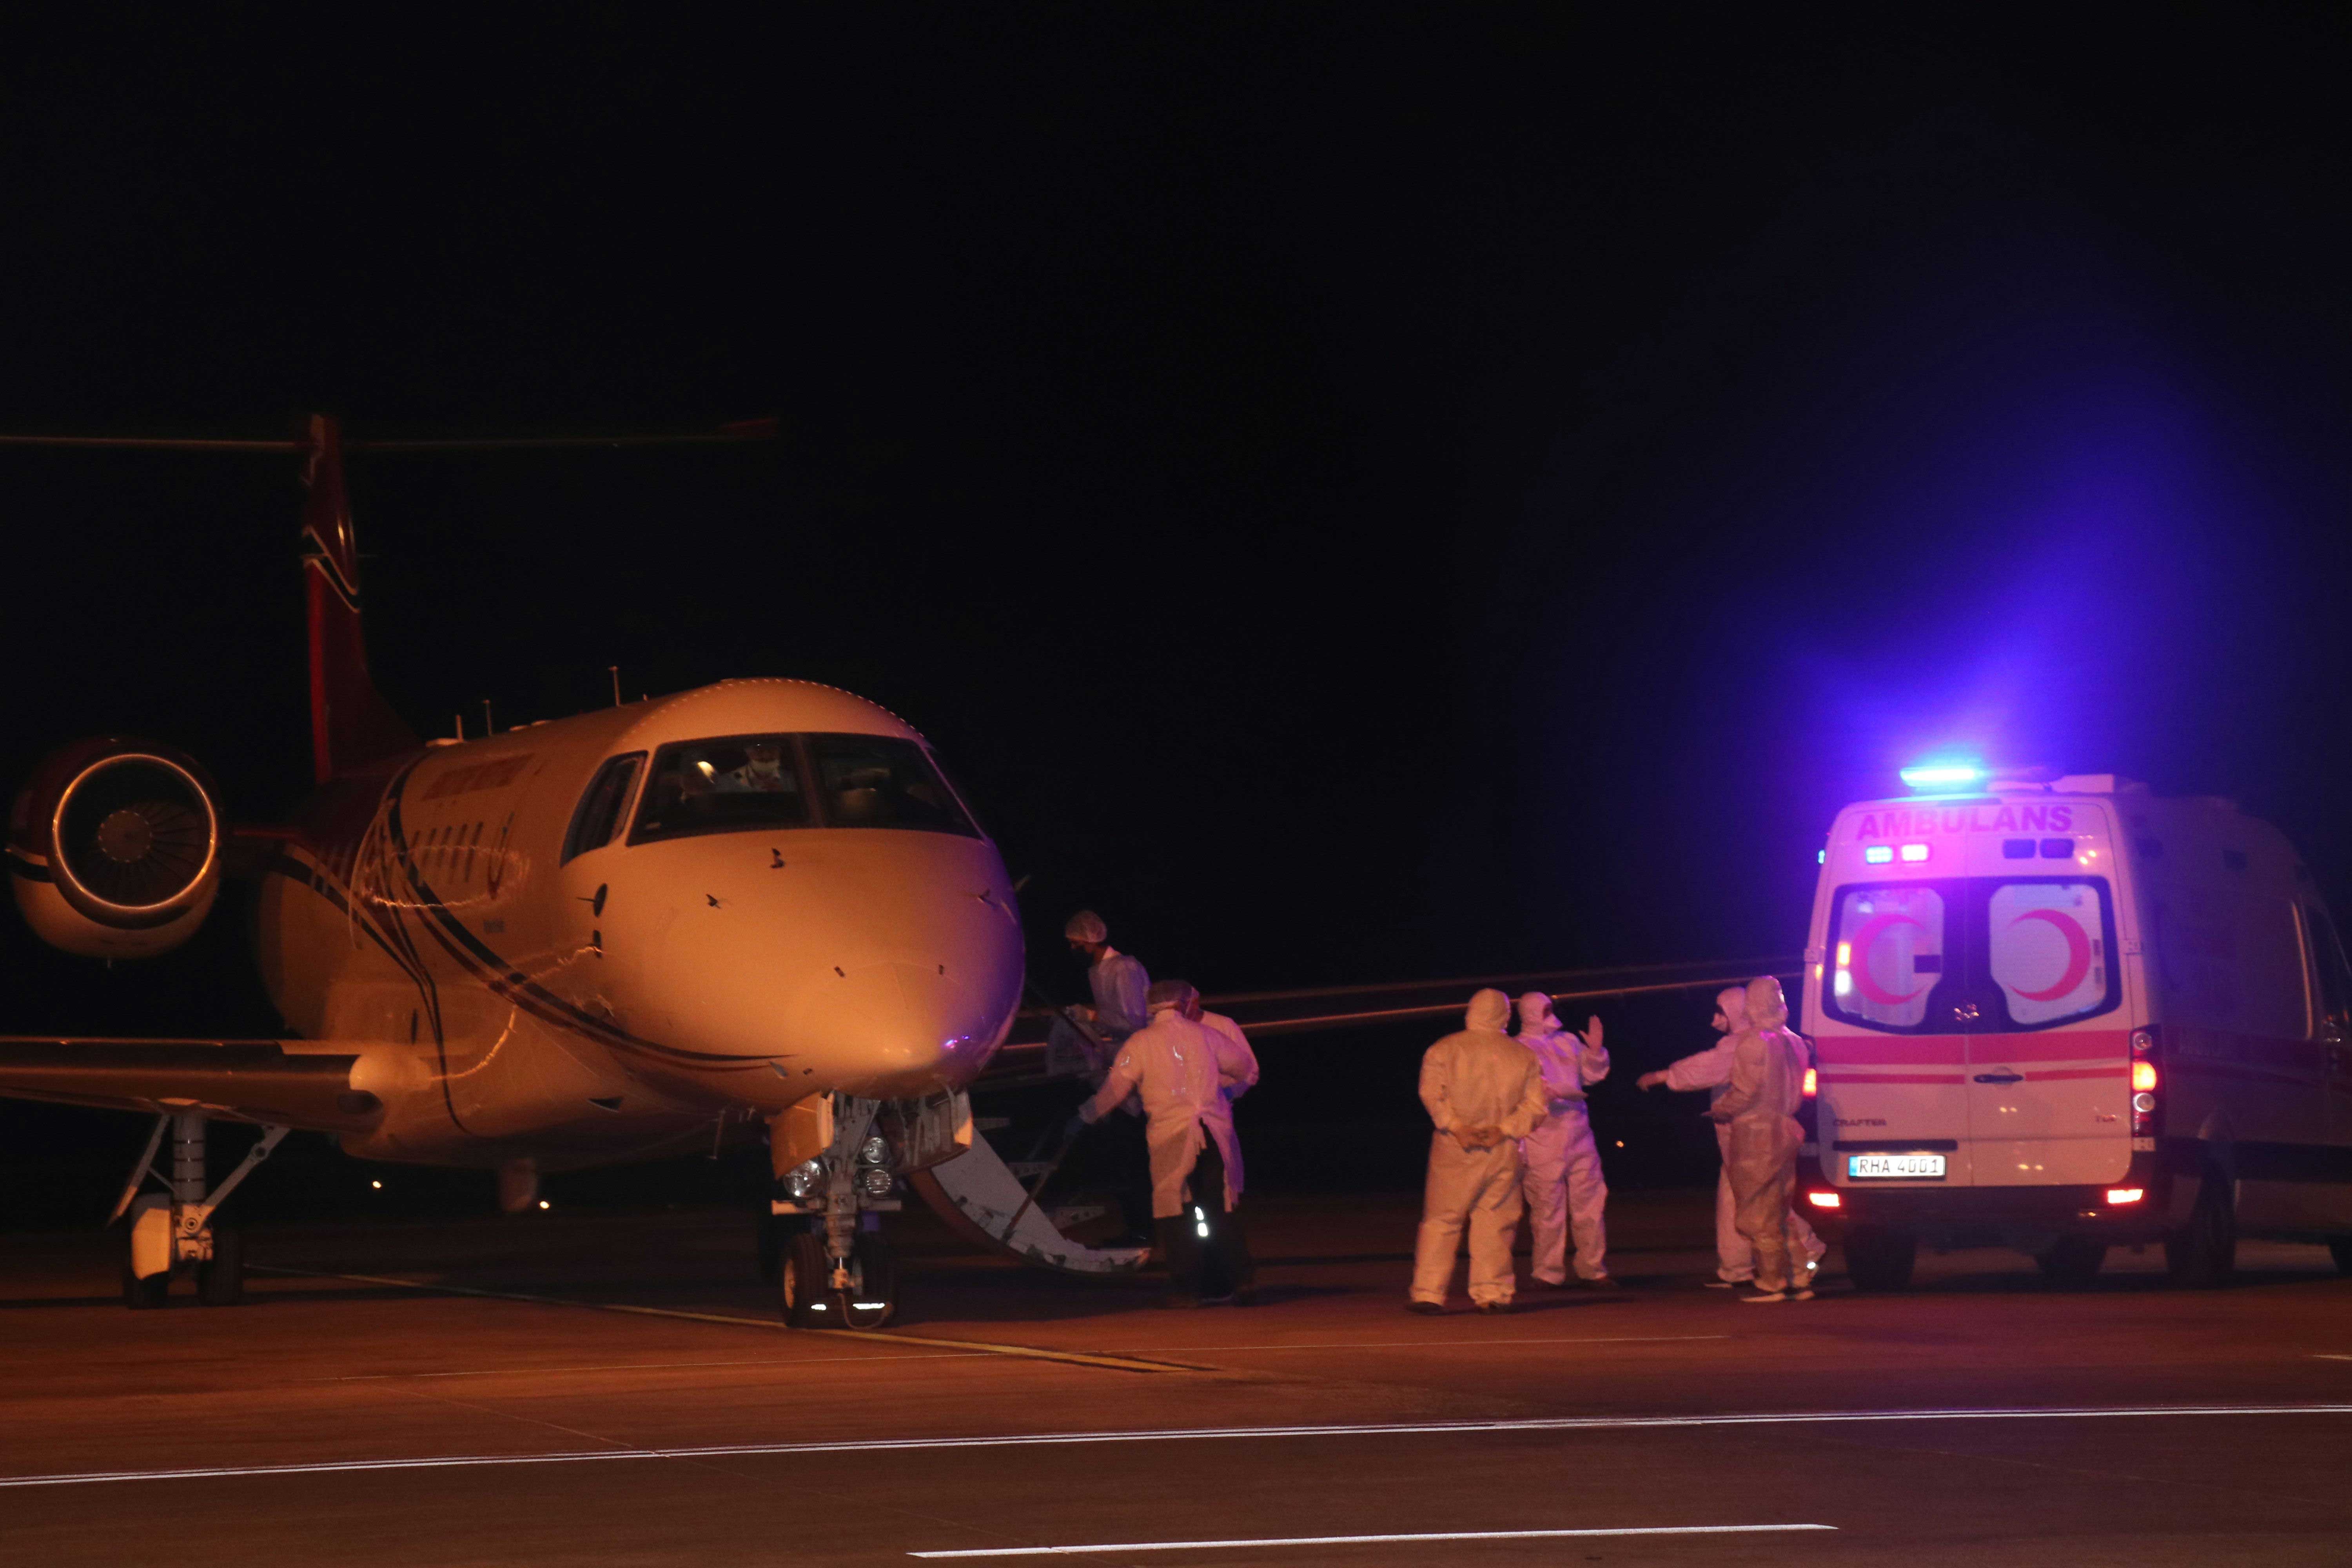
x,y
583,942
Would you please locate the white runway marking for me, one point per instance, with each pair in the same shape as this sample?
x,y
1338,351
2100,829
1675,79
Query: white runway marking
x,y
1368,1540
2325,1355
1182,1434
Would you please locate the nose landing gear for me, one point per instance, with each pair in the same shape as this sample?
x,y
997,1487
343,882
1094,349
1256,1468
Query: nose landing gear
x,y
834,1269
182,1230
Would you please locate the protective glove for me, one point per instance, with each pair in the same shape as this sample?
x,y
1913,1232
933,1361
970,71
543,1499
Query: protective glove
x,y
1073,1127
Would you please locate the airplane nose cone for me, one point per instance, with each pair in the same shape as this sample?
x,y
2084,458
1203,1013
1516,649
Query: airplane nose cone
x,y
916,1029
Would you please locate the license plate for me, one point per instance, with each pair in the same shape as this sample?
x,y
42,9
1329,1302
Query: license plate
x,y
1895,1166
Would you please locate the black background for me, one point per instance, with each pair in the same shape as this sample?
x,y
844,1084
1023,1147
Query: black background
x,y
1354,492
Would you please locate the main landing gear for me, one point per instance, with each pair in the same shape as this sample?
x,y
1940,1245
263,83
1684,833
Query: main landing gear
x,y
822,1236
181,1230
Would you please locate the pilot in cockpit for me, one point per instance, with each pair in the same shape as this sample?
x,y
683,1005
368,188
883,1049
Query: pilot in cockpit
x,y
762,772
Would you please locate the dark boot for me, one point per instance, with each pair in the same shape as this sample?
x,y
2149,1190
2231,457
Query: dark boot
x,y
1180,1258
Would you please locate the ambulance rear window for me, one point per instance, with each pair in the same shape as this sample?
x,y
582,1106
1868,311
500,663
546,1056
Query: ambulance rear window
x,y
2046,948
1890,954
1972,955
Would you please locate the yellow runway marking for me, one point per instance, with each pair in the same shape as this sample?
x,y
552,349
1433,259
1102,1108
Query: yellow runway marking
x,y
1026,1352
1497,1344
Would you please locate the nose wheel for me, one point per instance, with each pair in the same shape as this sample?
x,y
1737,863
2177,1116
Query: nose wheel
x,y
812,1299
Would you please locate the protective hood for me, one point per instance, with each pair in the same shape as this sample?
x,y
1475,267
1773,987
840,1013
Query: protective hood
x,y
1535,1014
1490,1010
1731,1009
1766,1008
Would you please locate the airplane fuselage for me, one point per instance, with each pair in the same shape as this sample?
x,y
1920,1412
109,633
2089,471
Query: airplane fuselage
x,y
591,939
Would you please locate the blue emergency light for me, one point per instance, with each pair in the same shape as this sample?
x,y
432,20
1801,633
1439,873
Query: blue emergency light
x,y
1944,776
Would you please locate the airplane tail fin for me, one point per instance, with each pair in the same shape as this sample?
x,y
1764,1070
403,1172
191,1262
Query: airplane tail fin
x,y
350,724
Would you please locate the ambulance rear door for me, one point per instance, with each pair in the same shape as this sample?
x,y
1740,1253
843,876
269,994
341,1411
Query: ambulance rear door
x,y
1893,1102
2049,1053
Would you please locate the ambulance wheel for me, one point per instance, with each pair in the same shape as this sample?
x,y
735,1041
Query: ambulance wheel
x,y
771,1245
2202,1254
221,1282
805,1276
1880,1259
872,1299
2072,1262
2340,1249
144,1294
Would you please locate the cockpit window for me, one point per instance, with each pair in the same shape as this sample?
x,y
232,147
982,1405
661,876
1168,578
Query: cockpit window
x,y
739,783
753,783
599,812
876,781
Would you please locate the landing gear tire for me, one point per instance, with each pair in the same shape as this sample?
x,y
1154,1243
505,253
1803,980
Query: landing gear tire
x,y
772,1249
2071,1261
805,1276
872,1299
2340,1249
2202,1254
1880,1259
221,1282
144,1293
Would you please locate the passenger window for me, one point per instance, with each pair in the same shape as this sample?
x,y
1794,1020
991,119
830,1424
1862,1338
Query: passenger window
x,y
880,781
2046,945
600,810
1889,954
735,785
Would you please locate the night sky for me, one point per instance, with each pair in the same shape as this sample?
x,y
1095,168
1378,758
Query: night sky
x,y
1354,493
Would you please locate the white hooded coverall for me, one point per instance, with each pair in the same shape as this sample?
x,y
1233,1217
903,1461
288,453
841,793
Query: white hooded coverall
x,y
1480,1087
1181,1070
1767,1072
1735,1260
1562,1178
1237,1073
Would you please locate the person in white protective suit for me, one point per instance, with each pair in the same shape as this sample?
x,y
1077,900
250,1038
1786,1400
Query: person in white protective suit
x,y
1484,1094
1759,1106
1088,1038
1562,1166
1181,1070
1119,983
1710,1069
1236,1061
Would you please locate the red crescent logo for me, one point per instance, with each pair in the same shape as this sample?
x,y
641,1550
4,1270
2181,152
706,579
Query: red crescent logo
x,y
2078,954
1867,938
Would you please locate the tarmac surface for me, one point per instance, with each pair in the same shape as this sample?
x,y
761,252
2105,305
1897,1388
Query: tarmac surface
x,y
358,1409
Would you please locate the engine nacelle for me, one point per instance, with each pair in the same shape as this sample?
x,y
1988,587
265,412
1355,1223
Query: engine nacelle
x,y
114,849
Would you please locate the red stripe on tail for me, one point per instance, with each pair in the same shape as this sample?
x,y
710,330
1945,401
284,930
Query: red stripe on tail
x,y
350,724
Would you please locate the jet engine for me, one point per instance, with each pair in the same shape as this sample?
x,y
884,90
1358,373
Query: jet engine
x,y
114,849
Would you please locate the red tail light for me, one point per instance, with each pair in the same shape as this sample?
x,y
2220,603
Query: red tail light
x,y
2146,1107
1824,1200
1812,1083
2117,1196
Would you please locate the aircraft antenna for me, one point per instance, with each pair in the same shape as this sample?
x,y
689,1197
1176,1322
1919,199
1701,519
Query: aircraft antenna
x,y
614,671
489,727
459,721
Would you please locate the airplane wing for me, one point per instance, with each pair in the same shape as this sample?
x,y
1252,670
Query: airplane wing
x,y
1025,1059
300,1083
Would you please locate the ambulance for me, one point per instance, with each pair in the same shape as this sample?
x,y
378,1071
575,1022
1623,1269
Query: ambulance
x,y
2068,1015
